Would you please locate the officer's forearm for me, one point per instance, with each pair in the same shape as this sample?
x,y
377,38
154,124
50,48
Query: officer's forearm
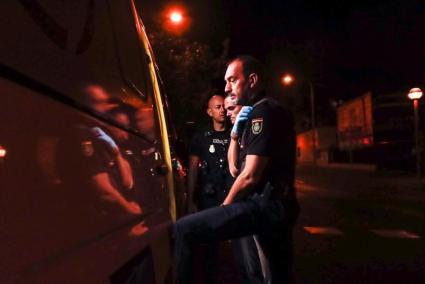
x,y
243,183
248,178
107,191
232,157
126,172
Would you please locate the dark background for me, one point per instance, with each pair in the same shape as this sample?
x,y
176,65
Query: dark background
x,y
344,48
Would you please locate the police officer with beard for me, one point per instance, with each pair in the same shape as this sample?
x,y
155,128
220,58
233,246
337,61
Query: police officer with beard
x,y
262,200
209,178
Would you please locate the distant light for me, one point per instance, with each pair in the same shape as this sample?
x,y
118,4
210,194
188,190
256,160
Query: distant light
x,y
2,152
176,17
415,94
287,79
323,231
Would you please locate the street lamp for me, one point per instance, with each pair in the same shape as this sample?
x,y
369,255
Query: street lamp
x,y
175,19
415,94
288,79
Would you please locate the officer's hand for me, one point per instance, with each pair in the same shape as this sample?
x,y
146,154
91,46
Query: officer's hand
x,y
241,118
133,208
101,135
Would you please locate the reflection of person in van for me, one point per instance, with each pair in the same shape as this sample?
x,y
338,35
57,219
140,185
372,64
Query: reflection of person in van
x,y
144,122
89,163
100,156
115,173
121,116
144,119
98,99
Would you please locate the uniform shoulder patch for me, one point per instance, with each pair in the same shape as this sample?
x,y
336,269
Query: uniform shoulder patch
x,y
257,125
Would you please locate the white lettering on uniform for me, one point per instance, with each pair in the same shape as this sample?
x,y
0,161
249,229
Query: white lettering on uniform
x,y
219,141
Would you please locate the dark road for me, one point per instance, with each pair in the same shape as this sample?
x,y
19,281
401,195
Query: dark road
x,y
359,227
355,226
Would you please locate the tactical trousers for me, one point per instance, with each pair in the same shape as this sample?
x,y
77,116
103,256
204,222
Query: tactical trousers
x,y
247,260
211,250
239,219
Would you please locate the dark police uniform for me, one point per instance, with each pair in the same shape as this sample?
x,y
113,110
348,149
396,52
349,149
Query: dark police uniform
x,y
269,133
214,179
89,157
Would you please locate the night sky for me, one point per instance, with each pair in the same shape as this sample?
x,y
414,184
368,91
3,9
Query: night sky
x,y
355,46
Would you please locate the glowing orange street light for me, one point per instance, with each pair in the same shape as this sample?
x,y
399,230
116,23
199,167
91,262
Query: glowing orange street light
x,y
2,152
415,94
176,17
287,79
175,20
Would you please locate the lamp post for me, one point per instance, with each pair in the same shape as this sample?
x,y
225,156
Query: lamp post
x,y
313,121
288,79
415,94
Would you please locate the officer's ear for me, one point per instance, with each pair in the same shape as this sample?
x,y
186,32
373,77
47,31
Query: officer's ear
x,y
252,80
209,112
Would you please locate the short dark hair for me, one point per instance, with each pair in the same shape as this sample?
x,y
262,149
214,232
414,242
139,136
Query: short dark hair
x,y
123,108
250,65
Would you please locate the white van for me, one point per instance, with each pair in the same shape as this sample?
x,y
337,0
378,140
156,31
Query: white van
x,y
86,175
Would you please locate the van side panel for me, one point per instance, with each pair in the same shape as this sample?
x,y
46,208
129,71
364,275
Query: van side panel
x,y
66,216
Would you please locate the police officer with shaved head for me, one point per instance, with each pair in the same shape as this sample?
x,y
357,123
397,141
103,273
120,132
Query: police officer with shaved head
x,y
209,179
262,199
208,171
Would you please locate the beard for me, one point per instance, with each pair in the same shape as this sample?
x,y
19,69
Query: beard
x,y
247,99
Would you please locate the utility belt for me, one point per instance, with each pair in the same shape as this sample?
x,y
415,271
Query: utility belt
x,y
282,192
285,195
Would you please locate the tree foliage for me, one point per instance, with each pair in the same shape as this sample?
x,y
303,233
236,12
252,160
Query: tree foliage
x,y
188,69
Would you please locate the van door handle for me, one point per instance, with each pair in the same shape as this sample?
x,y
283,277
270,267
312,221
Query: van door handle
x,y
159,170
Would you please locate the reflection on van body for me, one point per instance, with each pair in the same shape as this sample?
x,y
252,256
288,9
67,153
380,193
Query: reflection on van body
x,y
81,141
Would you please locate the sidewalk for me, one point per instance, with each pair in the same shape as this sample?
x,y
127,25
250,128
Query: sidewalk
x,y
397,179
362,167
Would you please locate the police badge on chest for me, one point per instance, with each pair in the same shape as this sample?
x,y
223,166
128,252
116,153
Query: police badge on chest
x,y
212,148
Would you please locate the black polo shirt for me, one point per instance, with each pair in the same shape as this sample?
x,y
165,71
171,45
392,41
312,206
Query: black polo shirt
x,y
270,133
211,147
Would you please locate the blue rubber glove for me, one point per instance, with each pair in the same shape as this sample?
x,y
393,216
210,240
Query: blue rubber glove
x,y
240,121
102,136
